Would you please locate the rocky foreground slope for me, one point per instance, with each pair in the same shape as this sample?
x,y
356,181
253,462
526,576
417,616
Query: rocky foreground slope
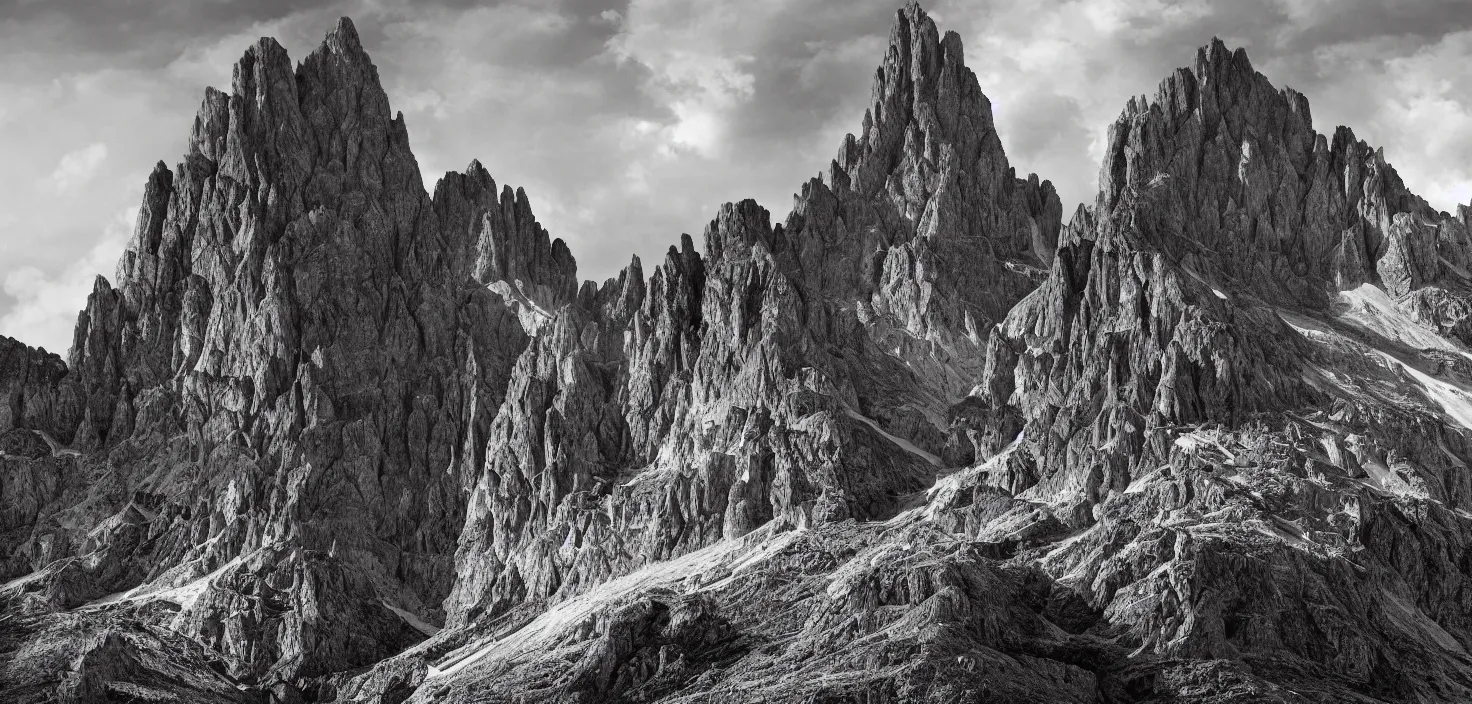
x,y
328,437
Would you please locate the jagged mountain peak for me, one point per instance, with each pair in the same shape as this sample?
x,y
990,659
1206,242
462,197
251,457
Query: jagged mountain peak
x,y
923,100
921,68
266,62
1238,187
1216,53
1208,438
341,56
343,39
915,66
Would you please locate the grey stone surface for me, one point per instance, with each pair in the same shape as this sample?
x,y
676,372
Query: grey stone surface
x,y
331,438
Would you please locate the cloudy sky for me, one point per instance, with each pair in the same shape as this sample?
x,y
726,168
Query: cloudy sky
x,y
631,121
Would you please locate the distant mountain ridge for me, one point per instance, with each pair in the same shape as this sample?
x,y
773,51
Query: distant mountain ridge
x,y
329,437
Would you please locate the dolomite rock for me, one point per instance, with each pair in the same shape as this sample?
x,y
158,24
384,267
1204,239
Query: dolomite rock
x,y
798,373
1221,430
509,245
91,657
30,393
295,370
920,441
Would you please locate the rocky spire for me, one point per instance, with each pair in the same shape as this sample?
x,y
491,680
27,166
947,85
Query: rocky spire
x,y
1213,430
297,366
1240,188
921,218
767,379
507,243
29,393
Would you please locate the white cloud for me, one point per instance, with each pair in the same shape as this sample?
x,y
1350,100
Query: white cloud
x,y
211,62
629,126
693,70
46,306
1426,118
428,101
1143,18
77,167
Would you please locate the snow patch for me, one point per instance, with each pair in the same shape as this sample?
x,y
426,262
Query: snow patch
x,y
531,316
57,449
1278,528
184,595
1373,309
1455,401
1377,474
113,598
1202,280
1144,480
20,581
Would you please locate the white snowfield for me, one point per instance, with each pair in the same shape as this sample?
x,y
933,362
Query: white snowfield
x,y
1454,400
21,581
718,563
184,595
531,316
1372,310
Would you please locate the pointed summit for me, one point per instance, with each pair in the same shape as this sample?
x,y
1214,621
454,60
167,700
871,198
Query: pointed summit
x,y
922,81
950,238
1243,191
344,37
341,52
290,284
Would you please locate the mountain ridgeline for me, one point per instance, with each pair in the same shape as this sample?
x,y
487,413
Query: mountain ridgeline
x,y
326,437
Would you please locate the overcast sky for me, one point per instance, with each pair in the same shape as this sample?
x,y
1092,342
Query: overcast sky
x,y
631,122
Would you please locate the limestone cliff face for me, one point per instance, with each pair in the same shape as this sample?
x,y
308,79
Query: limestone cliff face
x,y
920,441
1233,343
798,374
30,393
1242,188
1219,209
509,246
293,373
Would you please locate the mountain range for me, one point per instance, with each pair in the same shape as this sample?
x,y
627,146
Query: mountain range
x,y
328,437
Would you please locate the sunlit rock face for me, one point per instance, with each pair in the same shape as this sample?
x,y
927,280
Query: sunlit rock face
x,y
328,437
272,412
797,374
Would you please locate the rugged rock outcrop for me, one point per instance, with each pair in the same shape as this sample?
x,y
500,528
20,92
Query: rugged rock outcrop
x,y
793,374
31,394
921,441
294,372
1223,427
